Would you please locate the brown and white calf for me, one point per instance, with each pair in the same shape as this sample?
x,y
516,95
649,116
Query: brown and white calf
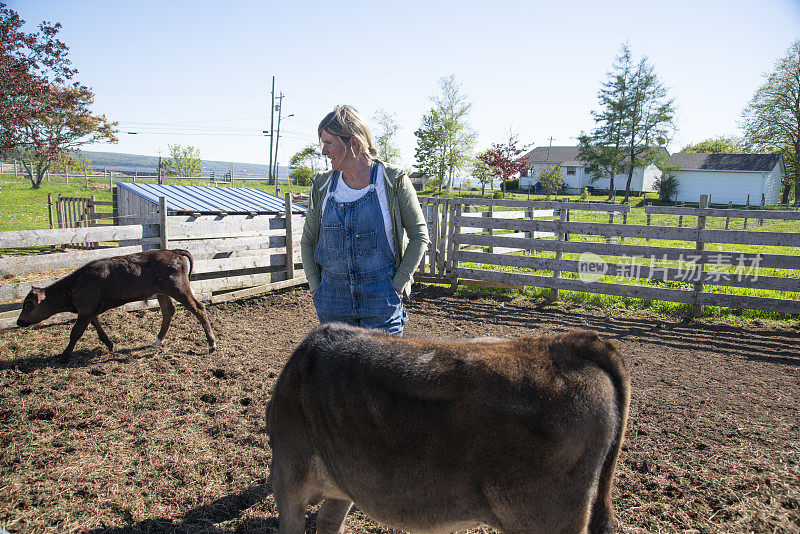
x,y
103,284
522,435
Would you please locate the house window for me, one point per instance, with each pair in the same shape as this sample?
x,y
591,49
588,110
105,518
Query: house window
x,y
570,171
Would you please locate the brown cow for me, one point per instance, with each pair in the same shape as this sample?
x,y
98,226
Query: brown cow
x,y
108,283
439,436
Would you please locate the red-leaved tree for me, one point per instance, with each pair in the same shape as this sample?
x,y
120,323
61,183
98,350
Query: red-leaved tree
x,y
43,113
505,159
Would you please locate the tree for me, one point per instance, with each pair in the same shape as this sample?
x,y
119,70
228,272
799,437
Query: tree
x,y
306,157
635,118
771,121
445,138
184,162
716,145
552,179
303,165
482,171
504,159
388,150
75,164
301,175
43,113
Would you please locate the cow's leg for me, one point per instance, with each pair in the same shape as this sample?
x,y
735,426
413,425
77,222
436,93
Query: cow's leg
x,y
101,333
290,498
77,331
198,310
331,516
167,312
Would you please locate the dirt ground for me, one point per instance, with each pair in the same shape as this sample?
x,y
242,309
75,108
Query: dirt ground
x,y
172,439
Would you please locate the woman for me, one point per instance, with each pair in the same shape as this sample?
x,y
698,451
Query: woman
x,y
364,234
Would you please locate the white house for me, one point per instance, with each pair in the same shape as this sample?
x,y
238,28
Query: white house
x,y
577,175
729,177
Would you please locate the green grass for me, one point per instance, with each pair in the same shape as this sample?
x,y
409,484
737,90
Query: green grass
x,y
25,208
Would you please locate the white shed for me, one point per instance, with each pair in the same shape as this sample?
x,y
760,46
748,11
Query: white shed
x,y
729,177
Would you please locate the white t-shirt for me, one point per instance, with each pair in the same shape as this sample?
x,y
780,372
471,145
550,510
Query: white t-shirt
x,y
344,193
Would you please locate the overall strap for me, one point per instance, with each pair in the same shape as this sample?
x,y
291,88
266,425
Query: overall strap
x,y
373,173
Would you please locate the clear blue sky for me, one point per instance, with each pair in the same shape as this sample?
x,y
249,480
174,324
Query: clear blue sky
x,y
199,72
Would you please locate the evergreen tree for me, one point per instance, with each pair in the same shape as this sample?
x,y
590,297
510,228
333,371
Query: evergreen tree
x,y
635,118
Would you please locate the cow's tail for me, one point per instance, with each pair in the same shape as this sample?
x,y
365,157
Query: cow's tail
x,y
188,256
607,357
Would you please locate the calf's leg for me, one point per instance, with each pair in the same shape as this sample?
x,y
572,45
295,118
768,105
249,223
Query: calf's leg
x,y
77,331
101,333
167,312
198,310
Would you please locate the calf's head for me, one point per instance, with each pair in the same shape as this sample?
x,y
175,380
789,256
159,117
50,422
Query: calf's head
x,y
35,308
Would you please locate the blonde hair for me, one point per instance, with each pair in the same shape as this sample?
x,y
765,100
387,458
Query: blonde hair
x,y
345,122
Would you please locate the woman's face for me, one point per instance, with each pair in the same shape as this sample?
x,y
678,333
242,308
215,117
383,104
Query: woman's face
x,y
335,150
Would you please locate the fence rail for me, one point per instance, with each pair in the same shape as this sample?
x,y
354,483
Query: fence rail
x,y
511,248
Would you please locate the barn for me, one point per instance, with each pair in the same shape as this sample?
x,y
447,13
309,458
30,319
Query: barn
x,y
736,178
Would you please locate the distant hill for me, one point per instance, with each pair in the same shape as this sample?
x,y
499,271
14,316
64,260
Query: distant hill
x,y
145,164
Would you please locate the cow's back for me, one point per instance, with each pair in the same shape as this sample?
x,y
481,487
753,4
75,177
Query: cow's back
x,y
424,433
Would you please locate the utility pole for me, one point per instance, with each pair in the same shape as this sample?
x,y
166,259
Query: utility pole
x,y
548,148
278,138
271,131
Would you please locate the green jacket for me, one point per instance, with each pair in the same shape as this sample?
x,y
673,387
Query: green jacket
x,y
408,222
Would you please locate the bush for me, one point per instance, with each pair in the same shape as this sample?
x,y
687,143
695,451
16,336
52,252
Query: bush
x,y
666,186
512,185
301,175
585,194
497,194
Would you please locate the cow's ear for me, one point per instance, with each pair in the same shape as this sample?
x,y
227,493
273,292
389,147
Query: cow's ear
x,y
39,292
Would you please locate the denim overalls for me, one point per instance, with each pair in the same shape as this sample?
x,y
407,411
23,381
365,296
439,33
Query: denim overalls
x,y
357,264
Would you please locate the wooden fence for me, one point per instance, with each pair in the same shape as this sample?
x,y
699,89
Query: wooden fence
x,y
235,255
473,241
490,243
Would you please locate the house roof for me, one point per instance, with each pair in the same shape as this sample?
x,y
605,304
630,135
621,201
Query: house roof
x,y
725,162
197,198
565,155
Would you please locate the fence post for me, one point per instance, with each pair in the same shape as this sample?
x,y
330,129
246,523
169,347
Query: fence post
x,y
289,237
58,211
452,262
700,264
647,239
15,169
490,232
50,209
728,219
563,214
624,221
610,221
162,221
443,236
114,208
761,220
